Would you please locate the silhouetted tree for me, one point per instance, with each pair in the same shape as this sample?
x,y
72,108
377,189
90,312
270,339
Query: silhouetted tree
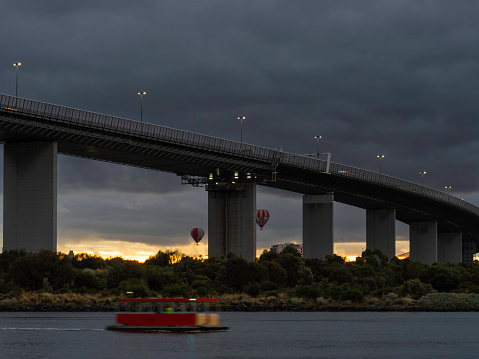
x,y
8,257
268,256
30,270
291,264
235,273
161,259
159,277
276,273
85,260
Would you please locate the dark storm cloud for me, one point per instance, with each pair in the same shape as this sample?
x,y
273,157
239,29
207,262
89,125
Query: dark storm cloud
x,y
77,174
397,78
148,218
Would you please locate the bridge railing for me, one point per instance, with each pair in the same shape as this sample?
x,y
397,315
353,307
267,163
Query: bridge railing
x,y
337,169
122,125
64,114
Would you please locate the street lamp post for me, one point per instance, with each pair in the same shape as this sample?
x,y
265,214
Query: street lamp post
x,y
16,64
448,188
422,173
141,104
380,158
317,144
241,118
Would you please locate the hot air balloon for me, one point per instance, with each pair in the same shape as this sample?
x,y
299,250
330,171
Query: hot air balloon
x,y
262,217
197,234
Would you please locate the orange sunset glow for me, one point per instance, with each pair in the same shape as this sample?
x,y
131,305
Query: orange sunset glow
x,y
141,251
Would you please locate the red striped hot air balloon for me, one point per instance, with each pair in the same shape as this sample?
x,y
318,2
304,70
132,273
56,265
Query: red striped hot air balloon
x,y
197,234
262,217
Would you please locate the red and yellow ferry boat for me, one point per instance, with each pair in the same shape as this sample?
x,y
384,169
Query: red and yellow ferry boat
x,y
161,315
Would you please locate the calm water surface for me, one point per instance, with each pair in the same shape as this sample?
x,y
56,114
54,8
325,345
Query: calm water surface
x,y
251,335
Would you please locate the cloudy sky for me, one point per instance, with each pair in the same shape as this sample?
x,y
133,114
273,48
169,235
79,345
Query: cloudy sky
x,y
392,78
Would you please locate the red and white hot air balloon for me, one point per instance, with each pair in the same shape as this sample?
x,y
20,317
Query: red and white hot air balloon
x,y
197,234
262,217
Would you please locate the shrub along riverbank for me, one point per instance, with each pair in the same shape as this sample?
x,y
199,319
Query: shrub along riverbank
x,y
41,302
49,281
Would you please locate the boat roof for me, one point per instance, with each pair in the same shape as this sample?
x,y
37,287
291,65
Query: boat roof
x,y
167,300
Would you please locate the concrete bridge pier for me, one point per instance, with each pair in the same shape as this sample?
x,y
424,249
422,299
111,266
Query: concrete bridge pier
x,y
468,251
423,242
231,220
318,240
449,247
381,230
30,196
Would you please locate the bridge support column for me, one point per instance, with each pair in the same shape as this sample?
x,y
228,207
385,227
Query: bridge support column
x,y
381,230
318,240
30,196
423,242
449,247
231,221
468,251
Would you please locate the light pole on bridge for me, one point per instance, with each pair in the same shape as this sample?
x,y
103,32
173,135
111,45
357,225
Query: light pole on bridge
x,y
448,188
422,173
16,65
241,118
317,144
380,158
141,104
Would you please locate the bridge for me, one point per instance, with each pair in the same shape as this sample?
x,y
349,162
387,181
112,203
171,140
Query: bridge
x,y
442,227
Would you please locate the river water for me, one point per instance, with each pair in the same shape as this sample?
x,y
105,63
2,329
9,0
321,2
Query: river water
x,y
251,335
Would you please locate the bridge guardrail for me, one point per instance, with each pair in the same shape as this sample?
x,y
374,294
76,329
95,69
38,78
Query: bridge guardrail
x,y
126,126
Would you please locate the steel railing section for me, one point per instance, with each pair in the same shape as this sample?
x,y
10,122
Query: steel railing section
x,y
23,106
119,125
336,169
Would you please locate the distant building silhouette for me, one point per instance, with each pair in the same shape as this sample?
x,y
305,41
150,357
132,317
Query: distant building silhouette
x,y
278,248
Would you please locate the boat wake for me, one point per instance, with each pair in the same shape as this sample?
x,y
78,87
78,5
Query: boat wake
x,y
55,329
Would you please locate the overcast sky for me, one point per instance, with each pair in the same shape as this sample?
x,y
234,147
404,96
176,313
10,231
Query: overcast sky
x,y
392,78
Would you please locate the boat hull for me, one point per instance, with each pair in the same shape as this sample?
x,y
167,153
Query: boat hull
x,y
186,328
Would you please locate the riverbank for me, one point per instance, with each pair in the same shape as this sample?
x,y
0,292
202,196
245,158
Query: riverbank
x,y
225,308
72,302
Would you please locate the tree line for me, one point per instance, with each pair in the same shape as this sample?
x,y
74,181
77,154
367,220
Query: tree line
x,y
173,274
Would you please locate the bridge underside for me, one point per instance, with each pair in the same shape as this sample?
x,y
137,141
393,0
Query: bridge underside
x,y
137,148
374,197
30,220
